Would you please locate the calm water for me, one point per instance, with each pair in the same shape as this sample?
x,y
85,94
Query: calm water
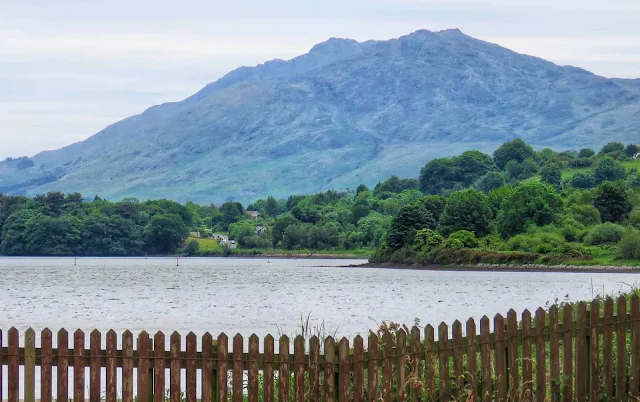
x,y
255,296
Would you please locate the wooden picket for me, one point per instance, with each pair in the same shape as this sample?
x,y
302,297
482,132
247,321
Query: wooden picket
x,y
571,354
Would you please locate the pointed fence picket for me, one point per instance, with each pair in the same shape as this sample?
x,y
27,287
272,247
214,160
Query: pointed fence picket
x,y
572,353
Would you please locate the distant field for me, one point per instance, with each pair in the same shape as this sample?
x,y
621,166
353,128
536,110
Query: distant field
x,y
209,245
567,174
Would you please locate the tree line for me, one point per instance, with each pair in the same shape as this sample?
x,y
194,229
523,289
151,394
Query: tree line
x,y
578,204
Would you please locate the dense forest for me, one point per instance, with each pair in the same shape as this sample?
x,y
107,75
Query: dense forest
x,y
518,205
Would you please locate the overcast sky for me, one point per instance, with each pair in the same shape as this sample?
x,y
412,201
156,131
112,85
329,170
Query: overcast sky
x,y
68,68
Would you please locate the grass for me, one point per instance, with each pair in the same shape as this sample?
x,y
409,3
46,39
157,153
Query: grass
x,y
568,173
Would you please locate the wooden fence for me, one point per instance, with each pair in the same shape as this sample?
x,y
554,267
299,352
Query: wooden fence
x,y
570,353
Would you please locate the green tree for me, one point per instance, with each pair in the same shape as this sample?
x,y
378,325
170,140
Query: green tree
x,y
165,233
110,235
434,204
395,185
14,231
583,180
436,175
272,208
467,210
409,220
530,203
608,169
629,247
426,239
586,153
612,147
521,170
551,174
191,248
631,150
516,150
490,181
612,200
361,188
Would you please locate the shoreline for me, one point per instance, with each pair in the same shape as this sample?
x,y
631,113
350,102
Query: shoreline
x,y
504,268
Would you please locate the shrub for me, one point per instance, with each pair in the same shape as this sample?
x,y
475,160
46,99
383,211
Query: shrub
x,y
468,239
539,242
605,233
588,215
426,239
634,218
629,247
454,244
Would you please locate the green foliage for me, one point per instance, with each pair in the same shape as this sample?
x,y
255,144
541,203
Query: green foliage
x,y
516,150
608,169
587,215
521,170
583,180
629,247
490,182
541,242
586,153
395,185
409,220
612,201
530,203
551,174
426,239
467,210
192,248
434,204
631,150
634,218
165,233
446,174
467,238
605,233
612,147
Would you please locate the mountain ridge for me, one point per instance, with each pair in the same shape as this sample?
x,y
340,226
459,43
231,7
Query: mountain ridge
x,y
344,113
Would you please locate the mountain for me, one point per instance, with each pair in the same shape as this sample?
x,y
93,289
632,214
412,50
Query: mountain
x,y
343,114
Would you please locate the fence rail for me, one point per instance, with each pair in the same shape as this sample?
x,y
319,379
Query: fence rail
x,y
570,353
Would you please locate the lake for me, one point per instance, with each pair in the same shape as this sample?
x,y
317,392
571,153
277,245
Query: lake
x,y
261,296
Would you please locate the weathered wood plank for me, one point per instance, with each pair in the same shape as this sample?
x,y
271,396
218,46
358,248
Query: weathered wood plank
x,y
443,363
554,354
513,359
46,370
581,353
568,353
401,361
159,368
343,362
387,367
143,370
78,366
254,356
621,350
500,358
430,357
62,387
190,372
635,346
95,348
416,351
595,351
485,358
269,368
314,373
283,374
329,369
527,356
175,387
223,353
607,349
207,378
358,369
372,368
238,373
299,367
541,375
13,371
457,358
30,365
